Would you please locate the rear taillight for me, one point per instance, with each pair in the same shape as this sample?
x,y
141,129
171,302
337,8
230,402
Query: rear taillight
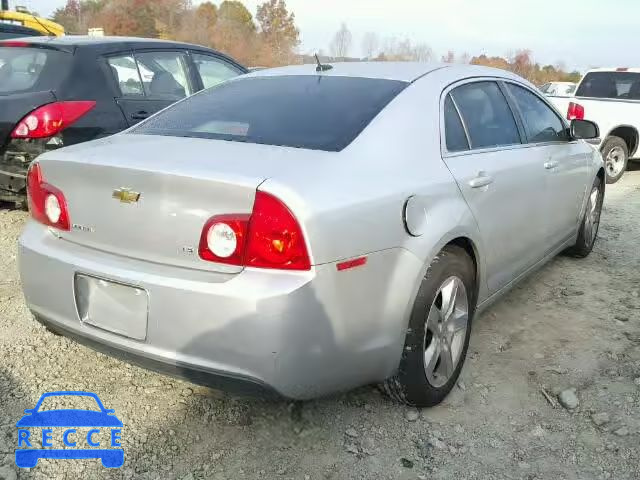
x,y
270,237
575,111
51,119
46,203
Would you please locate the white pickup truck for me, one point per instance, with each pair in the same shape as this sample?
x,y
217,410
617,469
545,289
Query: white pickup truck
x,y
609,97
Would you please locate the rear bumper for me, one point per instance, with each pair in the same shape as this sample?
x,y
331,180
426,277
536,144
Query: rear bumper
x,y
300,334
194,373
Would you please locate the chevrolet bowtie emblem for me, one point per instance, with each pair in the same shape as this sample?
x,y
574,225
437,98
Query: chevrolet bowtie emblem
x,y
126,195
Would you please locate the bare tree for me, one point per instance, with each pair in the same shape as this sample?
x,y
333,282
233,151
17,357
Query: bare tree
x,y
450,57
404,51
341,43
422,53
370,43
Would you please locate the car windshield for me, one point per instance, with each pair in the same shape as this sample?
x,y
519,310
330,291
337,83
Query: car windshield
x,y
24,70
313,112
65,402
615,85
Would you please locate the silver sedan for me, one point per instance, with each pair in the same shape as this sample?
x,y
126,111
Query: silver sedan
x,y
307,230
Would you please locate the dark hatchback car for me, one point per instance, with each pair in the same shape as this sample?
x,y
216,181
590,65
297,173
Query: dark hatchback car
x,y
8,30
57,91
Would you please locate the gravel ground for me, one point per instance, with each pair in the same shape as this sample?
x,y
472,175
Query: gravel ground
x,y
571,331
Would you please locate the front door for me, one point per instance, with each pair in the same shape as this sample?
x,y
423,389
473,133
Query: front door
x,y
564,162
500,179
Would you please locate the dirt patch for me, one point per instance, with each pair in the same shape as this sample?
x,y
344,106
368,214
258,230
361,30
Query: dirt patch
x,y
574,325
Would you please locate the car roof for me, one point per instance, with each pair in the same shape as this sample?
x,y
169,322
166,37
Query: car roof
x,y
400,71
87,40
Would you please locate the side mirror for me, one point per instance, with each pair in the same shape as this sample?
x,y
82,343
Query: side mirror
x,y
584,130
29,410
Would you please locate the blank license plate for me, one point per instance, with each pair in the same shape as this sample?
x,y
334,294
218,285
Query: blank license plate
x,y
112,306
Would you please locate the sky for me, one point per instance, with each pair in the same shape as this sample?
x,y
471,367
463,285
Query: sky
x,y
579,33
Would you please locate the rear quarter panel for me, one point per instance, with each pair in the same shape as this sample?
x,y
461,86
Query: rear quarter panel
x,y
352,204
88,80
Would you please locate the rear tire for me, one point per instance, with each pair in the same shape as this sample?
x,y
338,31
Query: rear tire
x,y
439,329
615,153
590,224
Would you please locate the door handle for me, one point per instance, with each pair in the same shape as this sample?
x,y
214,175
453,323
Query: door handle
x,y
482,180
551,164
141,115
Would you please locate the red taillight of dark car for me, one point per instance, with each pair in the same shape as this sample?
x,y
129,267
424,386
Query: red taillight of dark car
x,y
49,120
270,237
47,203
575,111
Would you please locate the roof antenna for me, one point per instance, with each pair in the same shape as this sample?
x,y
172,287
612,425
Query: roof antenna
x,y
321,67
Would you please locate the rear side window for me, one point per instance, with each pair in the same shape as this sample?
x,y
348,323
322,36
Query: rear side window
x,y
125,72
540,122
454,131
25,70
312,112
160,75
167,74
486,114
616,85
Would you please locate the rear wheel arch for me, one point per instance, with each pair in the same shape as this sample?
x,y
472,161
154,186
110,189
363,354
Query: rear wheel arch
x,y
471,249
630,136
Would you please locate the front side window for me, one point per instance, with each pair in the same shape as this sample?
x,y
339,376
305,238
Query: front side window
x,y
540,122
486,114
213,70
454,131
302,111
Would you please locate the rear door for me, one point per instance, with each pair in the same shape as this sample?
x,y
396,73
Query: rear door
x,y
150,80
564,162
502,182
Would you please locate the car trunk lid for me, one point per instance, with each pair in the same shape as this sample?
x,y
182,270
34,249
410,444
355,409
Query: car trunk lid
x,y
149,197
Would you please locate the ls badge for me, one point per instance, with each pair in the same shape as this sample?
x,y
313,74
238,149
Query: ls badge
x,y
126,195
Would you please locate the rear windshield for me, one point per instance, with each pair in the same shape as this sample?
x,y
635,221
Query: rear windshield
x,y
312,112
618,85
25,70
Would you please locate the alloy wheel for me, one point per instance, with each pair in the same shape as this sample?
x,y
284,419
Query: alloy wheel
x,y
592,215
446,327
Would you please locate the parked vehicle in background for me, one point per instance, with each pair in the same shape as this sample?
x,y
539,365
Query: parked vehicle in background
x,y
23,18
57,91
8,30
559,89
611,98
305,232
